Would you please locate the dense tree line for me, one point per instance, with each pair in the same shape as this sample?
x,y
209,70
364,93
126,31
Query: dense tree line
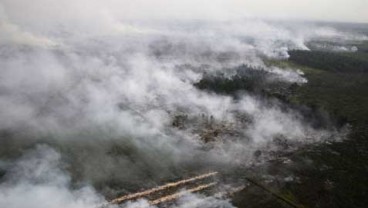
x,y
330,61
253,80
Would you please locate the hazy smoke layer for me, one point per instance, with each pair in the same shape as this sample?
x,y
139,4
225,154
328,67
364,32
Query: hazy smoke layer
x,y
36,180
102,86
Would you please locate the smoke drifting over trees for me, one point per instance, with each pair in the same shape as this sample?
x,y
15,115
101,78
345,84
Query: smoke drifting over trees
x,y
89,93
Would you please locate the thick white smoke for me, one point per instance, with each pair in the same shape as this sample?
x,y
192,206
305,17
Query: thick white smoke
x,y
36,180
39,179
103,81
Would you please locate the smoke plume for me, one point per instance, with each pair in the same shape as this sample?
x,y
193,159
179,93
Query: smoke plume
x,y
90,90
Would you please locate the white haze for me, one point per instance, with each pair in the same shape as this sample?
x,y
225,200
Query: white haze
x,y
82,75
38,180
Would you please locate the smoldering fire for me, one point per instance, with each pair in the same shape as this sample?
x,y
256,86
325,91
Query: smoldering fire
x,y
88,100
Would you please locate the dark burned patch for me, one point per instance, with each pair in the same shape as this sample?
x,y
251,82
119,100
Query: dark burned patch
x,y
211,130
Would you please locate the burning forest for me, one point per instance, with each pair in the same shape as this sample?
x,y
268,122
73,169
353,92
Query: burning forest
x,y
120,104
